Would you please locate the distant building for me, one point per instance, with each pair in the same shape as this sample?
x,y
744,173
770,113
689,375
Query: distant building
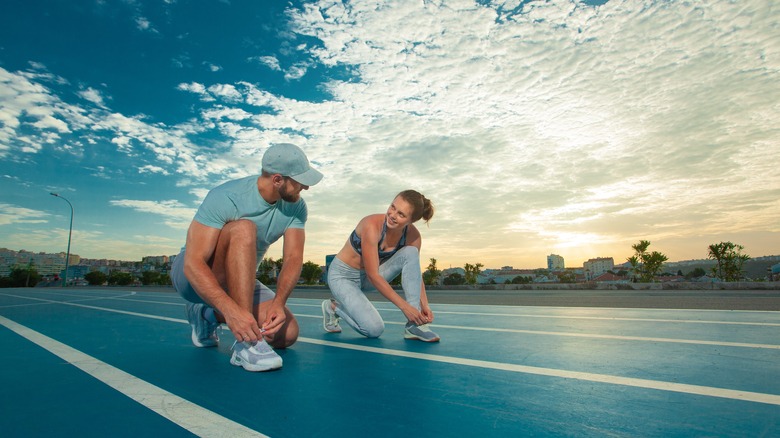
x,y
155,260
504,275
595,267
555,263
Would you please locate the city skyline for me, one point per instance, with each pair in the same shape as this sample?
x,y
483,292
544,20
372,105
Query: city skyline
x,y
575,128
424,267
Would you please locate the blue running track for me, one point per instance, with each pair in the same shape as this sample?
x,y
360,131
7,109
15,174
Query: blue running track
x,y
98,362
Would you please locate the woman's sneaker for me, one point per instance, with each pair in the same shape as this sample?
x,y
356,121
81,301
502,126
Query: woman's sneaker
x,y
420,332
204,332
255,357
330,321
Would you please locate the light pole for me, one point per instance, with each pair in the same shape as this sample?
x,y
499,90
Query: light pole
x,y
70,231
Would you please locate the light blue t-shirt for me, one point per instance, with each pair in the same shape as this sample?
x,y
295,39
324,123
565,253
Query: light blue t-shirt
x,y
240,199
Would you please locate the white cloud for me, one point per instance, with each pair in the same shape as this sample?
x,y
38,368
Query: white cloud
x,y
212,67
174,213
153,169
13,214
92,95
295,72
143,24
225,92
269,61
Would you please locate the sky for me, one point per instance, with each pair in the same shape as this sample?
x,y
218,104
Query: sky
x,y
569,127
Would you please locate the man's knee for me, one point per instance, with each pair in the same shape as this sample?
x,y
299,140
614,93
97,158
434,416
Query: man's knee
x,y
284,341
242,229
288,335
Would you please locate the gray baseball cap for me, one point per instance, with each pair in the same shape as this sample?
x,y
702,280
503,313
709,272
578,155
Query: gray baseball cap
x,y
287,159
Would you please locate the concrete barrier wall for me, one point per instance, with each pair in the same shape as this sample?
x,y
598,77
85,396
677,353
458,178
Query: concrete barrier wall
x,y
717,285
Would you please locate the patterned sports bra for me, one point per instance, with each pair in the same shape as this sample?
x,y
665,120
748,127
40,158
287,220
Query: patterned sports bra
x,y
355,241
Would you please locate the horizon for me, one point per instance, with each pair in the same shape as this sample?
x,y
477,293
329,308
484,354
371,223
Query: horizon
x,y
424,263
569,127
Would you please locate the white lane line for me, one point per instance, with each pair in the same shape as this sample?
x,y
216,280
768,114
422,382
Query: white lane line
x,y
194,418
588,335
82,298
595,318
756,397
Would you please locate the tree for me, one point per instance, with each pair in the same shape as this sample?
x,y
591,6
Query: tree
x,y
311,273
521,279
119,278
96,278
696,273
472,271
454,279
267,270
432,274
729,259
653,263
150,277
634,262
646,264
23,277
566,277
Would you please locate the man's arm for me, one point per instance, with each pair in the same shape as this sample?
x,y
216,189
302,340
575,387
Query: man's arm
x,y
292,253
201,244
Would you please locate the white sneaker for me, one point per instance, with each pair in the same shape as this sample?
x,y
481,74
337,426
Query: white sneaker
x,y
330,321
204,332
420,332
255,357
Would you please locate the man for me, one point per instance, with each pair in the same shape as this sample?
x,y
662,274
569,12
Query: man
x,y
231,231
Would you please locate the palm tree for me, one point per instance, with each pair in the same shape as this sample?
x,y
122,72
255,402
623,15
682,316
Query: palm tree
x,y
432,274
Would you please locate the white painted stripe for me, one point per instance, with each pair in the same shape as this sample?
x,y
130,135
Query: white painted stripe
x,y
595,318
610,318
616,337
756,397
190,416
105,309
588,335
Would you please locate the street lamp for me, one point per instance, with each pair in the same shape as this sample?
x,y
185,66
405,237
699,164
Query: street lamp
x,y
70,231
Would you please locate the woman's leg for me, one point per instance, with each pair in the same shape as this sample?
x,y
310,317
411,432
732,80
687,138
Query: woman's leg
x,y
407,263
352,304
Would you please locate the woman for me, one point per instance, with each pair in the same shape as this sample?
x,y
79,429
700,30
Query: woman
x,y
381,247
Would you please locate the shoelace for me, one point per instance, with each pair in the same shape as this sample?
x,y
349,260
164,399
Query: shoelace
x,y
260,346
424,327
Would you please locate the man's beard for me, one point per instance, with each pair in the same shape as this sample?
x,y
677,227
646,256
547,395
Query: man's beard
x,y
287,196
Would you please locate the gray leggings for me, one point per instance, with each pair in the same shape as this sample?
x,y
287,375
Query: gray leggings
x,y
348,285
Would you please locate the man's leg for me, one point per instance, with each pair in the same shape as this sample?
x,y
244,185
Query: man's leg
x,y
235,265
235,262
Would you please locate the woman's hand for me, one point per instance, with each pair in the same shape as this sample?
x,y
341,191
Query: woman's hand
x,y
427,313
414,315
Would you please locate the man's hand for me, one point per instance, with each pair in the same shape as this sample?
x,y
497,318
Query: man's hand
x,y
275,317
243,325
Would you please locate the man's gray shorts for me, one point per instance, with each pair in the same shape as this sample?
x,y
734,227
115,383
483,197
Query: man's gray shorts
x,y
185,289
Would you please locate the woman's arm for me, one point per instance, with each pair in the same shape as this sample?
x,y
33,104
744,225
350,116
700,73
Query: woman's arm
x,y
370,230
